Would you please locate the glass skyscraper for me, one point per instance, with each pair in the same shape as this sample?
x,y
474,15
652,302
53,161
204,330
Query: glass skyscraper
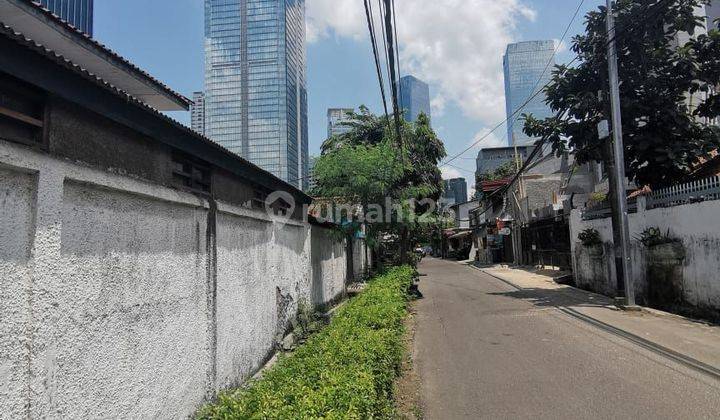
x,y
79,13
414,98
524,64
255,84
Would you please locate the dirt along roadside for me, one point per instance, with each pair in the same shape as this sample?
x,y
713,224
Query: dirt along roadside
x,y
407,395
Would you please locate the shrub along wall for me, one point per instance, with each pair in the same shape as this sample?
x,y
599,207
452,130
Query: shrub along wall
x,y
346,370
694,272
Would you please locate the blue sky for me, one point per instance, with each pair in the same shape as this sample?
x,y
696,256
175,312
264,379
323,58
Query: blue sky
x,y
456,45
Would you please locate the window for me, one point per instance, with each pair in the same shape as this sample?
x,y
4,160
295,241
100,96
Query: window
x,y
22,112
191,173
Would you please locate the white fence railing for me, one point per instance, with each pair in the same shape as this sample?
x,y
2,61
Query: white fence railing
x,y
691,192
701,190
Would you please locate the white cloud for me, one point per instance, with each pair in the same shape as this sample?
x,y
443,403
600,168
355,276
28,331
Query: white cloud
x,y
343,18
448,172
456,45
437,105
484,139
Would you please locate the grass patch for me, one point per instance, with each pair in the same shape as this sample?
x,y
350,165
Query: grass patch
x,y
344,371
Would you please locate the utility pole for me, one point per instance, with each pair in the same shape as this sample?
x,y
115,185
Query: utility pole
x,y
624,269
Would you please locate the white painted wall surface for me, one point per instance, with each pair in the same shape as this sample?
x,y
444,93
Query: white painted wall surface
x,y
329,266
17,196
115,303
697,225
260,263
361,259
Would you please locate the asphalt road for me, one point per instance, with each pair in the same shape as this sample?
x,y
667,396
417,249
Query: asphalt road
x,y
483,350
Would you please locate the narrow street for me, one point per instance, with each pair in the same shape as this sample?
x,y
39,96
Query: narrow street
x,y
485,349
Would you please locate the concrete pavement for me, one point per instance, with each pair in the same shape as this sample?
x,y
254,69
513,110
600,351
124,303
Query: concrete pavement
x,y
484,349
692,339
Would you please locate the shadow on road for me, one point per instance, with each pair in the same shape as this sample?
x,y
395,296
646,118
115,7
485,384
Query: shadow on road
x,y
556,297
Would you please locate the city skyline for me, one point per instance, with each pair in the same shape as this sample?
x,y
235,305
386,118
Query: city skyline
x,y
527,67
255,83
339,72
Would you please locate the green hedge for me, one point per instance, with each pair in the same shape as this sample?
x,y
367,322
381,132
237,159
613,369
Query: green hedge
x,y
344,371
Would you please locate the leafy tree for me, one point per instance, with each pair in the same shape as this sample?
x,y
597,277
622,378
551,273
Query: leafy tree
x,y
356,174
706,51
506,170
367,166
663,137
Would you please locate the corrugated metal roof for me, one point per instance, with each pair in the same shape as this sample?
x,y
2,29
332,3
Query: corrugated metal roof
x,y
46,28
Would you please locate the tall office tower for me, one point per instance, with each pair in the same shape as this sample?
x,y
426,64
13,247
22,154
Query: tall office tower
x,y
336,117
197,113
255,84
455,190
526,72
79,13
414,97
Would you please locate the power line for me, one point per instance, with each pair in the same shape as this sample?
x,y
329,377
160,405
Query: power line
x,y
502,190
381,11
373,41
626,31
461,169
533,95
391,65
397,48
555,51
489,133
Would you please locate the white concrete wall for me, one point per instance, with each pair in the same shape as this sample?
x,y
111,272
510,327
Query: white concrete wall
x,y
18,191
361,259
263,272
329,263
697,225
120,298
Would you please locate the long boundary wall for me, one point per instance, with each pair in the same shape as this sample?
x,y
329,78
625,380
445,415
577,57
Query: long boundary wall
x,y
121,298
696,225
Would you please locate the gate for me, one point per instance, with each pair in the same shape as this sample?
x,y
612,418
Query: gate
x,y
547,243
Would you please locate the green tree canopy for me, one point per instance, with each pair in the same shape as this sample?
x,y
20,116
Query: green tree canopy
x,y
370,167
663,136
358,173
506,170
